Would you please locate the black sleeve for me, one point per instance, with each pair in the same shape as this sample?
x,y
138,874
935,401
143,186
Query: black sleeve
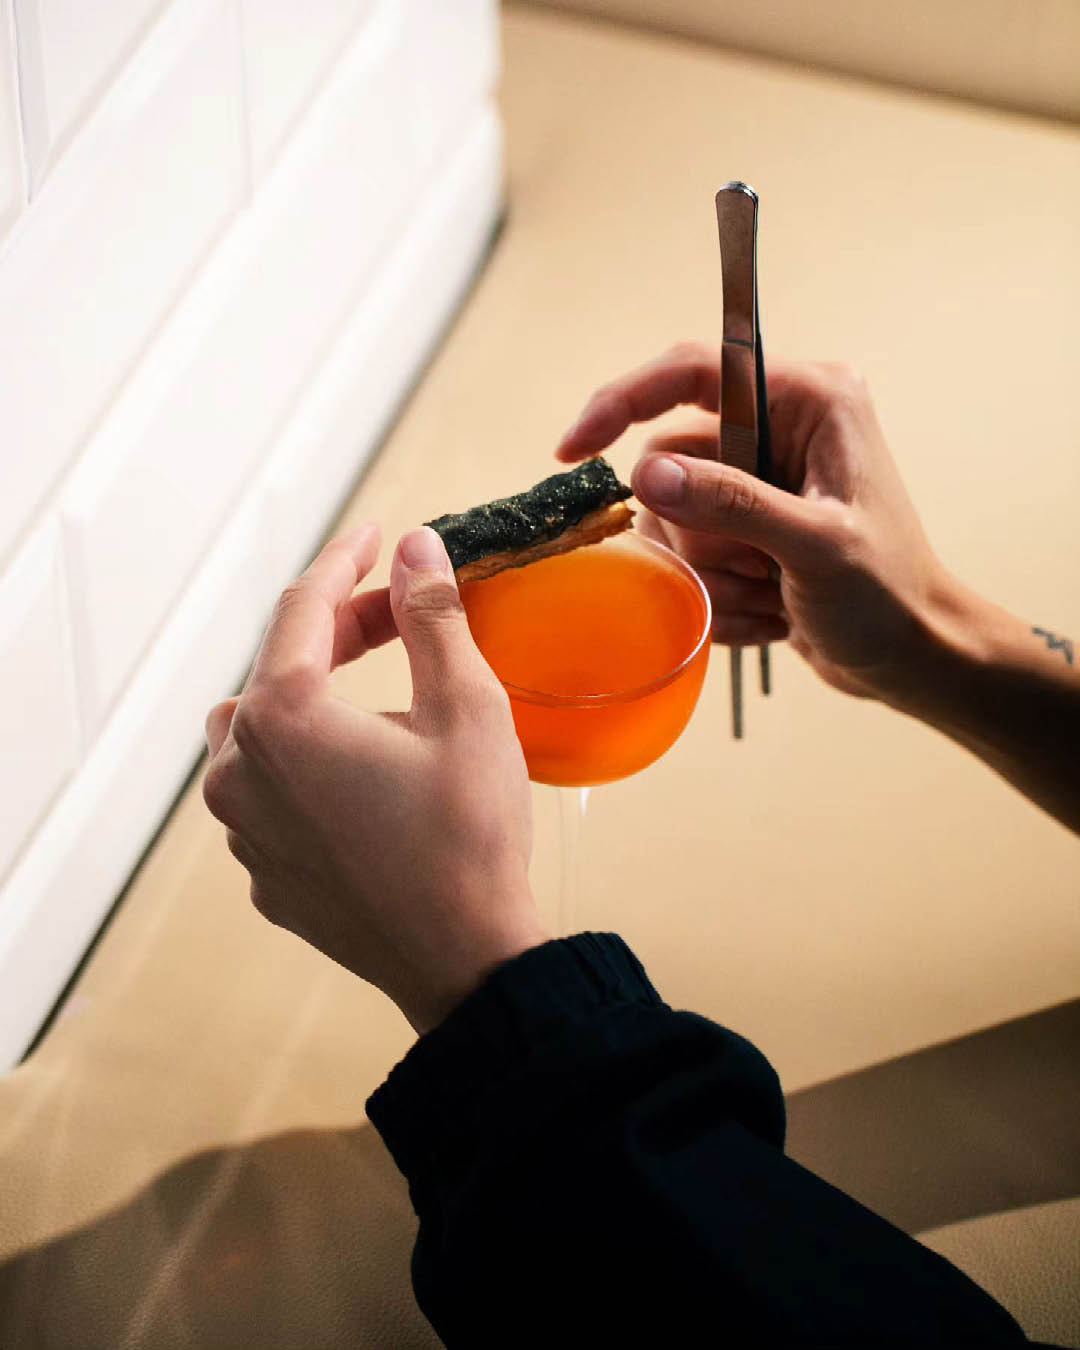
x,y
591,1168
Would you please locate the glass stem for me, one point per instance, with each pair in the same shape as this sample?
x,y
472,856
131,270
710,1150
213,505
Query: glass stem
x,y
573,803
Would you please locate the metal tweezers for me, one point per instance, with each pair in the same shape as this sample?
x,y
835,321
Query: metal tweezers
x,y
745,438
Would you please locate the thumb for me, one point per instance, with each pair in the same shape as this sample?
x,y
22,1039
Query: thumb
x,y
218,721
443,658
715,498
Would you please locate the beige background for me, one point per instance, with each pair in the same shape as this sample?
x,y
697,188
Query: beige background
x,y
184,1157
1022,54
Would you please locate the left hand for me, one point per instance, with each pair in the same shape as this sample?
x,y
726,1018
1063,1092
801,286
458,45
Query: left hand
x,y
397,844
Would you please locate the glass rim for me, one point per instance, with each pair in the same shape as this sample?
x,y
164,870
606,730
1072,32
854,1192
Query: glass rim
x,y
539,696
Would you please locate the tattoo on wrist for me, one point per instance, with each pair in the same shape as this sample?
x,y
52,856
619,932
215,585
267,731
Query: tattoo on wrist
x,y
1057,644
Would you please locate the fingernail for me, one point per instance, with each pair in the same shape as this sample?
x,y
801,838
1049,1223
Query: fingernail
x,y
662,481
423,548
567,436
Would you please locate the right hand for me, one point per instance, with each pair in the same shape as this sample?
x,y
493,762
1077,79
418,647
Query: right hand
x,y
860,588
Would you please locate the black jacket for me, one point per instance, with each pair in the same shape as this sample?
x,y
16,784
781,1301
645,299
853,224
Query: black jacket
x,y
591,1168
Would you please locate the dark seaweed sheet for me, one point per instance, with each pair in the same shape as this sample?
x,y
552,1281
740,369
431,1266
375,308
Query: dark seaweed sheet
x,y
542,513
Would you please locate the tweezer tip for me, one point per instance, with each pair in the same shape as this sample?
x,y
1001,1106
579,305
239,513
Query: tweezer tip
x,y
736,185
736,693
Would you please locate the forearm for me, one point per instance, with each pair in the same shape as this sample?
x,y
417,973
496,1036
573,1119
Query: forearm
x,y
1006,690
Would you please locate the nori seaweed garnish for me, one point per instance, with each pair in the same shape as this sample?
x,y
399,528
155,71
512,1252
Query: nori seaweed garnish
x,y
542,513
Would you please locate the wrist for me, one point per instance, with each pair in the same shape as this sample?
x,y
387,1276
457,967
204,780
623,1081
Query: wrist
x,y
1006,690
979,673
459,978
955,636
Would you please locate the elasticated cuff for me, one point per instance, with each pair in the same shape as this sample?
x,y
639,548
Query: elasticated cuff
x,y
517,1008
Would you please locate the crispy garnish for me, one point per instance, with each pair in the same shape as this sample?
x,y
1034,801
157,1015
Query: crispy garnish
x,y
590,529
564,512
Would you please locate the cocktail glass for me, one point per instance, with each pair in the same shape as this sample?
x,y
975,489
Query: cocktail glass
x,y
602,652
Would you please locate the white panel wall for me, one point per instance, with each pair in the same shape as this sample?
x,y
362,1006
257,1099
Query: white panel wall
x,y
11,170
38,727
386,340
195,362
68,49
87,846
138,512
110,241
285,60
448,69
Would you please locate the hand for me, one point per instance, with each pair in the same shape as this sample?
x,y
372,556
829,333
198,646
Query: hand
x,y
859,586
397,844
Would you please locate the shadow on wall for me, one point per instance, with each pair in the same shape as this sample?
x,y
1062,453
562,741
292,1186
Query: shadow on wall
x,y
305,1239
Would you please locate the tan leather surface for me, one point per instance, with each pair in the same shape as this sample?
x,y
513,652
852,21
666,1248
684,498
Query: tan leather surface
x,y
1022,54
184,1160
975,1146
1028,1259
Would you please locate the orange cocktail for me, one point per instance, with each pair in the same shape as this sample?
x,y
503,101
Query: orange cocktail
x,y
602,651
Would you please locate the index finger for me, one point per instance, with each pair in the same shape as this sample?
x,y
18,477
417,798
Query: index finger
x,y
299,643
688,373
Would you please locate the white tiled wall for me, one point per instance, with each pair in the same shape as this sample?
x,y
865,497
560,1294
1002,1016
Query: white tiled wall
x,y
109,242
11,167
448,70
209,394
286,59
68,50
38,728
247,221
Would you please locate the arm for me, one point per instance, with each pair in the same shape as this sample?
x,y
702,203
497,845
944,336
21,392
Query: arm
x,y
861,594
591,1168
580,1156
1007,690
